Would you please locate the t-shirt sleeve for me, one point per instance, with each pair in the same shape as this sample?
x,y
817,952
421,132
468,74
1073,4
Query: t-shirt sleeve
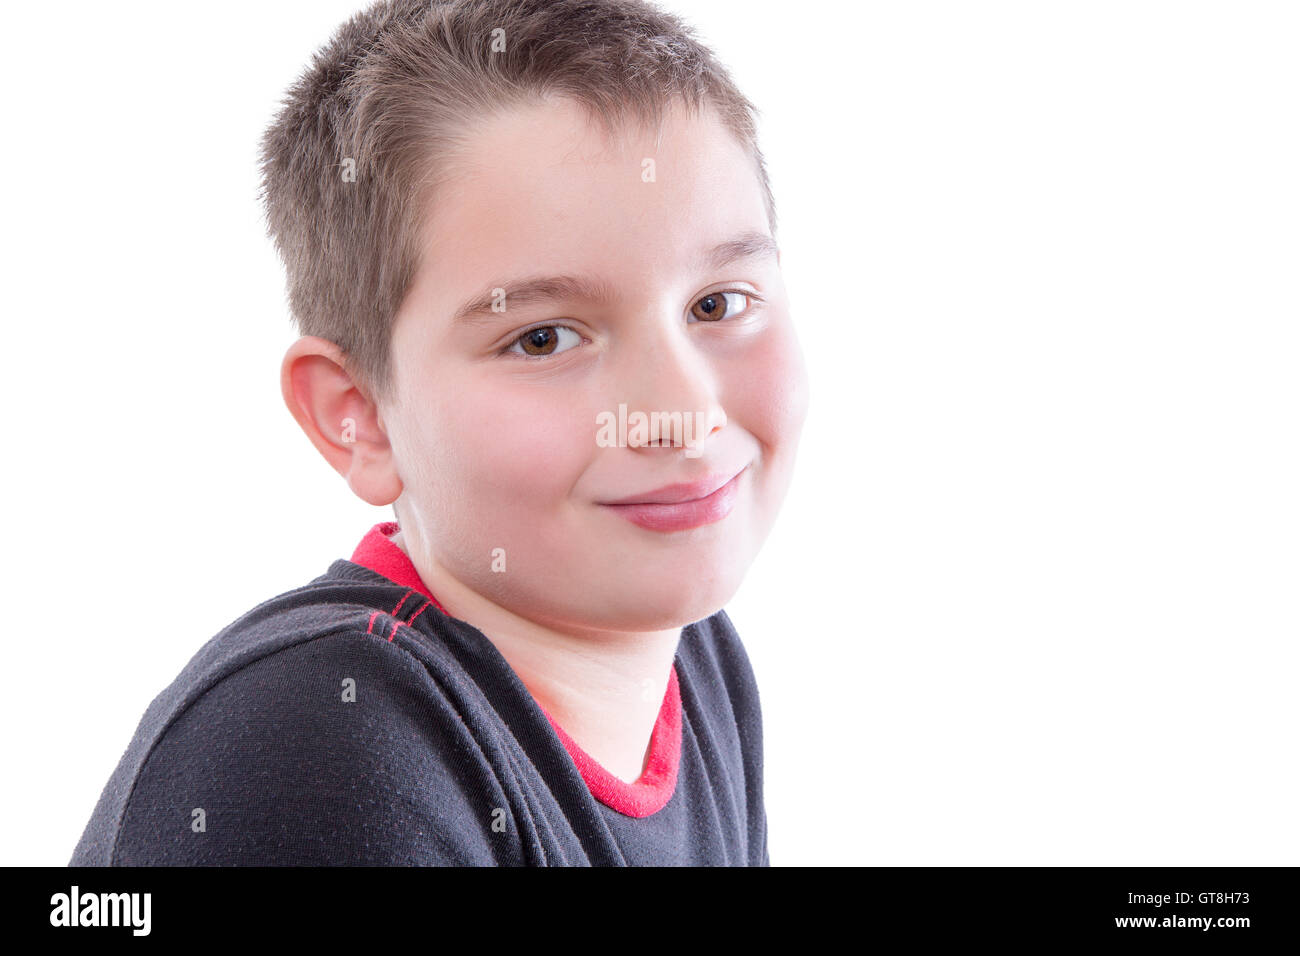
x,y
339,750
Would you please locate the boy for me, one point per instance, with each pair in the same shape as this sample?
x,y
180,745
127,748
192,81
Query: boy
x,y
503,224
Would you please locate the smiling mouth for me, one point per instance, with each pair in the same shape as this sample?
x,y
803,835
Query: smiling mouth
x,y
679,492
689,505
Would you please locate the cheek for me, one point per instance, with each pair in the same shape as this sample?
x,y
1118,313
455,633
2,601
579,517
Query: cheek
x,y
773,386
514,445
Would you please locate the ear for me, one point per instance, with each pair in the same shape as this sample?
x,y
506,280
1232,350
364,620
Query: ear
x,y
339,418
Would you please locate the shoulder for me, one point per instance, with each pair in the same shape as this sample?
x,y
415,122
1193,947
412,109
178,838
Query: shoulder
x,y
713,651
336,749
718,681
721,697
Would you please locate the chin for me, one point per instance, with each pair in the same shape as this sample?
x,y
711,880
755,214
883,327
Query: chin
x,y
649,608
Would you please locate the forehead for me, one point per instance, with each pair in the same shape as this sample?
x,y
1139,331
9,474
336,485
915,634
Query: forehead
x,y
555,134
546,188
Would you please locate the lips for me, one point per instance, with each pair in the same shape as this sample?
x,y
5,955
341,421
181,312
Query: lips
x,y
690,504
677,493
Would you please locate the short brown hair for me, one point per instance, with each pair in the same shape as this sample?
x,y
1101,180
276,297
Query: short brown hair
x,y
395,91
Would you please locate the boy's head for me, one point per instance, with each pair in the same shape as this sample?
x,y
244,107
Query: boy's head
x,y
514,233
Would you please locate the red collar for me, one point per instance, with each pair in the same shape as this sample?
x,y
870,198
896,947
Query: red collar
x,y
652,790
378,553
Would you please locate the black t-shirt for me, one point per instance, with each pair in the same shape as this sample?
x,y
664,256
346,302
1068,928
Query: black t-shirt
x,y
351,721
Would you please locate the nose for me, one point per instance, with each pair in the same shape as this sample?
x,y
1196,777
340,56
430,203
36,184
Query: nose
x,y
670,379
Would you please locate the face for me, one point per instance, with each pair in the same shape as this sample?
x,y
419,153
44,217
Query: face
x,y
506,427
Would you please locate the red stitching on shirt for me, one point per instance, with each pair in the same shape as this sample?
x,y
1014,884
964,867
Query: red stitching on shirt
x,y
401,602
370,625
411,620
408,621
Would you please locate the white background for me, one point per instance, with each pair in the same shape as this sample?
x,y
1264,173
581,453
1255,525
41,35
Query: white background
x,y
1033,598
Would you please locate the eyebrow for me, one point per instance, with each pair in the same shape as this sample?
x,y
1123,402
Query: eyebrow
x,y
531,289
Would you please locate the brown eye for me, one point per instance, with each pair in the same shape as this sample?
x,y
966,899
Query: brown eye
x,y
542,341
539,341
719,305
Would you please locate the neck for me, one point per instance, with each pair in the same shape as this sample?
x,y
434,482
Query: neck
x,y
605,688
